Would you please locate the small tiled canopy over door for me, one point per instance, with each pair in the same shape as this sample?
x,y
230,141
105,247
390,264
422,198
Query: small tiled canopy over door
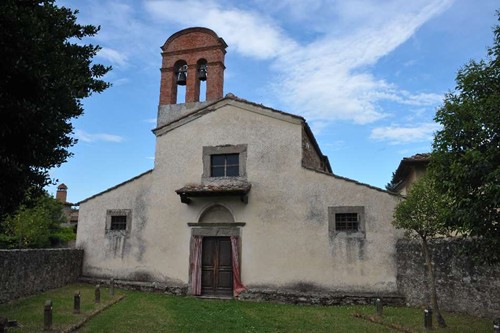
x,y
217,270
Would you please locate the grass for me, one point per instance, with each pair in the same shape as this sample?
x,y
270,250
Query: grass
x,y
412,319
29,311
146,312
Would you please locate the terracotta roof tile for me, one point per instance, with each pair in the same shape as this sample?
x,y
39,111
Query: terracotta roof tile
x,y
222,186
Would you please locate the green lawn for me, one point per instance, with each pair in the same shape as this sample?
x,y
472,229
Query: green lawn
x,y
146,312
29,311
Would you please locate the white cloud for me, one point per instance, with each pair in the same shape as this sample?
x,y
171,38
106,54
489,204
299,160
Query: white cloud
x,y
400,134
406,98
113,56
330,79
125,35
120,82
325,75
97,137
249,33
150,120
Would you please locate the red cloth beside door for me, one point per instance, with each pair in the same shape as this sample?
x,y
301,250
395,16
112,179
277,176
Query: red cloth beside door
x,y
238,287
196,265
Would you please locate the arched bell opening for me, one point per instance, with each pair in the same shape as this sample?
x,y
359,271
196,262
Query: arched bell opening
x,y
180,77
201,79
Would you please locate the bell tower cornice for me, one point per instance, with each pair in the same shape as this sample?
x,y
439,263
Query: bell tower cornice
x,y
190,57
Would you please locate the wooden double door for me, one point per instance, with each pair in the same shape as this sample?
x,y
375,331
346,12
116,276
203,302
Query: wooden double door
x,y
216,267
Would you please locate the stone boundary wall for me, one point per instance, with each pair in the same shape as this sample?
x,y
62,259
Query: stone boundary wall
x,y
261,295
319,298
26,272
462,285
157,287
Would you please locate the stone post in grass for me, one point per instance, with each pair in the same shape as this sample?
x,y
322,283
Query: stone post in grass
x,y
112,287
428,319
379,307
97,294
47,315
76,303
3,324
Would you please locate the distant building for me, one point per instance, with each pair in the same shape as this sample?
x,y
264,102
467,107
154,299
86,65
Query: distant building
x,y
409,171
69,209
240,196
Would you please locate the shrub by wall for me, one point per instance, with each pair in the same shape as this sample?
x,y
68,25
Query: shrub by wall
x,y
462,285
25,272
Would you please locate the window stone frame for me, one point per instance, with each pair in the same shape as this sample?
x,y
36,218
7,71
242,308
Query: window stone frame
x,y
360,210
118,212
208,151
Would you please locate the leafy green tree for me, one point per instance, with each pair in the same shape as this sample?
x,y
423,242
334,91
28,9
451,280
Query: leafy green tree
x,y
45,72
423,215
37,226
466,155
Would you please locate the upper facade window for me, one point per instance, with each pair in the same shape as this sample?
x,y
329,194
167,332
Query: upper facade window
x,y
225,165
224,161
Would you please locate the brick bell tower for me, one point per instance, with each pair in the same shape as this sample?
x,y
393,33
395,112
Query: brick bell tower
x,y
190,56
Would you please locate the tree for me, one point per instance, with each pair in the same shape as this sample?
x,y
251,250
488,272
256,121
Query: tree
x,y
423,215
45,72
391,186
37,226
466,152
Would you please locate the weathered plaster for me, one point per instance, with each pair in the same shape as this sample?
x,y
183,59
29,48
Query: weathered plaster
x,y
285,239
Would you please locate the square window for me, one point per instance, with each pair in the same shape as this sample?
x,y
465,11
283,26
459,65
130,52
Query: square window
x,y
225,165
118,222
224,161
346,220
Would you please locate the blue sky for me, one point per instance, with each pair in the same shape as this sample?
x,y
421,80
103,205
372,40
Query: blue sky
x,y
368,75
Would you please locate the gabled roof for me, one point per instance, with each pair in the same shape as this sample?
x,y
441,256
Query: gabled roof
x,y
405,166
206,108
232,99
114,187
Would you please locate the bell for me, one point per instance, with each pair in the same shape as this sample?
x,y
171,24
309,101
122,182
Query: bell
x,y
181,78
202,73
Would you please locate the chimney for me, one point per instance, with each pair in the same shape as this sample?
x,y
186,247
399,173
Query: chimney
x,y
190,56
62,193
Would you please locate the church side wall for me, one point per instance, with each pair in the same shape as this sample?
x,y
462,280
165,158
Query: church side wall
x,y
120,253
311,255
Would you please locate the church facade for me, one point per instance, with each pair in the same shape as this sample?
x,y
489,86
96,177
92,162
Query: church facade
x,y
240,198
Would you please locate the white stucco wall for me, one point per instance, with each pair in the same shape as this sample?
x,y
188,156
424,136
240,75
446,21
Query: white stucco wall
x,y
111,254
285,241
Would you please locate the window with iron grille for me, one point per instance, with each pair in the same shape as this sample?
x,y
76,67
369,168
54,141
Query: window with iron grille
x,y
118,222
346,222
225,165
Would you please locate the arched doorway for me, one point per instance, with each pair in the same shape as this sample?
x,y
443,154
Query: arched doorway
x,y
214,263
216,266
